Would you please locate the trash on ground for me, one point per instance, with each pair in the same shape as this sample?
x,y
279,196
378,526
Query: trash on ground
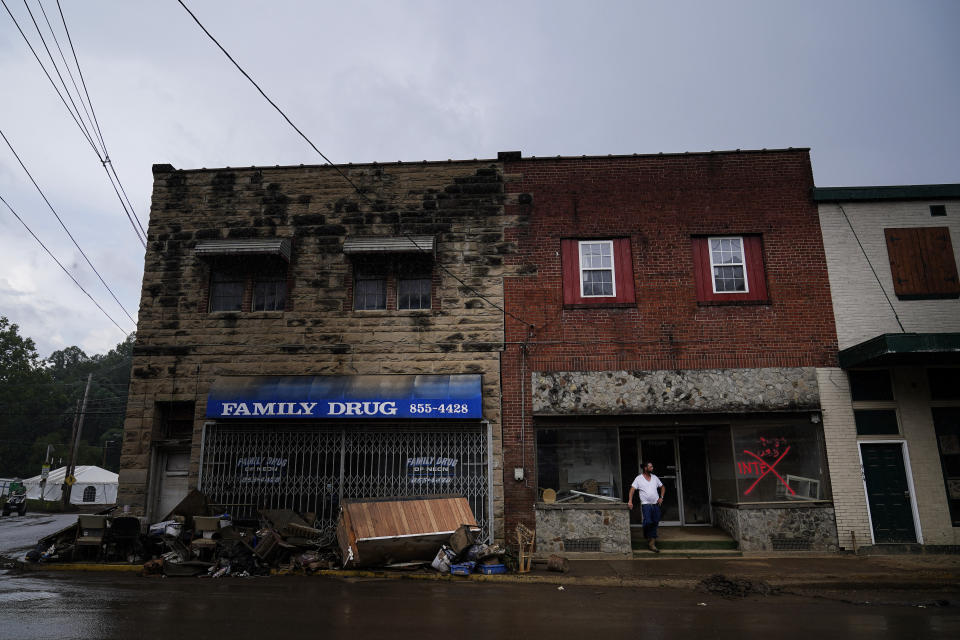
x,y
726,587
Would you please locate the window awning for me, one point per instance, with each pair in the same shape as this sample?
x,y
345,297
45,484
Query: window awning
x,y
279,247
429,397
390,244
891,349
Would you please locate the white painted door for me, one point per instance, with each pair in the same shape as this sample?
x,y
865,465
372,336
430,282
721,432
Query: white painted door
x,y
175,467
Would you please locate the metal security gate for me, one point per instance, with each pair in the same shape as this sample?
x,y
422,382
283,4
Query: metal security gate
x,y
311,468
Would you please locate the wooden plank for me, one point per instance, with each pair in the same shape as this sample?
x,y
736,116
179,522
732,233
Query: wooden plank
x,y
403,507
940,266
906,266
415,514
434,524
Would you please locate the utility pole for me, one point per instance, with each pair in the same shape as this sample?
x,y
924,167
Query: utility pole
x,y
72,466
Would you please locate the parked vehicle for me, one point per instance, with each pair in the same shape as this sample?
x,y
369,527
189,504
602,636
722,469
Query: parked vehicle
x,y
16,499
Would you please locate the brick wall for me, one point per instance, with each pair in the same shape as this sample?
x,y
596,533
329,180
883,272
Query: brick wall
x,y
659,202
181,348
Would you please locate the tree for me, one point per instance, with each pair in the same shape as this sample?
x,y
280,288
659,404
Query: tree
x,y
23,386
39,397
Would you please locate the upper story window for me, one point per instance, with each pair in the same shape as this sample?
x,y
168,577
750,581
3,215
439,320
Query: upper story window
x,y
230,285
369,291
226,290
727,265
414,291
729,269
597,272
402,282
269,292
922,263
246,274
596,269
392,272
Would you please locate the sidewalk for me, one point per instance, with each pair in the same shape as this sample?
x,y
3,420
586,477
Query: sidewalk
x,y
796,571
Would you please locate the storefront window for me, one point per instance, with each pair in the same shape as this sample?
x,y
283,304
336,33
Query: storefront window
x,y
780,463
577,460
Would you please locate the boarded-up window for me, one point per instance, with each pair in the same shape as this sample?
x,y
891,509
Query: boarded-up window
x,y
922,263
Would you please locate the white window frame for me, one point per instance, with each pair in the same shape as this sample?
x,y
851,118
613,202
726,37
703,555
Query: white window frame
x,y
613,267
743,263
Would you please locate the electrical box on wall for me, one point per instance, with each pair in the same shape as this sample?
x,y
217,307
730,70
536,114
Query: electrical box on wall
x,y
518,473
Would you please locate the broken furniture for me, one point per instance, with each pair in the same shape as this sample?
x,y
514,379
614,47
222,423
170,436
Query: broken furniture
x,y
525,541
91,534
381,531
204,544
123,538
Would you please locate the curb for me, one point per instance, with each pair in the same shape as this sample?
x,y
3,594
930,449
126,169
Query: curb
x,y
82,566
615,581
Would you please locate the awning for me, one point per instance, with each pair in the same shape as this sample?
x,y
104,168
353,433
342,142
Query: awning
x,y
390,244
892,349
265,247
432,397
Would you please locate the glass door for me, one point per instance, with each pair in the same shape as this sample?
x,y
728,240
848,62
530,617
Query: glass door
x,y
662,452
680,461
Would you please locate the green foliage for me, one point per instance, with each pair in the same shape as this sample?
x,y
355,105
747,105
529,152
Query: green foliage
x,y
39,400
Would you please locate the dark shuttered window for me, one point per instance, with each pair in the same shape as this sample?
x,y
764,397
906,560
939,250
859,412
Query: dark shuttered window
x,y
922,263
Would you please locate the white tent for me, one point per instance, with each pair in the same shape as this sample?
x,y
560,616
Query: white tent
x,y
94,486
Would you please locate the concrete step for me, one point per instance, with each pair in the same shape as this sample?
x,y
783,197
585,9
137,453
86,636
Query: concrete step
x,y
646,554
690,545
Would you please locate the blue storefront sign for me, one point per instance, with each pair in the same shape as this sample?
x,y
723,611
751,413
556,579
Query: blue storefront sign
x,y
435,397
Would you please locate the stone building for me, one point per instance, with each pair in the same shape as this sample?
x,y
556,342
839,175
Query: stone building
x,y
891,410
672,308
303,340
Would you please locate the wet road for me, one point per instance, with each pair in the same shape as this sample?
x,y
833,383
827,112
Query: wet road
x,y
118,606
19,534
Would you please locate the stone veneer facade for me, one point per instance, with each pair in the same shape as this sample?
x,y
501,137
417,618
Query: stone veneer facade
x,y
691,391
181,347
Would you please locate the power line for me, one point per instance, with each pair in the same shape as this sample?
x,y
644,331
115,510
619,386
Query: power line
x,y
54,62
52,83
74,112
874,271
57,216
96,123
59,264
336,168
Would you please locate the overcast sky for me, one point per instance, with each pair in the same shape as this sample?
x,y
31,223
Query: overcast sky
x,y
872,87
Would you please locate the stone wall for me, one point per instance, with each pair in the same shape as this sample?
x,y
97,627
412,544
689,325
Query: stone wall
x,y
591,528
779,528
690,391
181,347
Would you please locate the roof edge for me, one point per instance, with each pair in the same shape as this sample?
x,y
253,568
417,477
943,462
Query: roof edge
x,y
161,168
888,192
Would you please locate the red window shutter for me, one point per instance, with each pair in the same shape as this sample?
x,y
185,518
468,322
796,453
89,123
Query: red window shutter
x,y
622,271
922,263
570,261
753,261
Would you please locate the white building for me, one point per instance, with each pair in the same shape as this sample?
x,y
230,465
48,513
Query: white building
x,y
891,413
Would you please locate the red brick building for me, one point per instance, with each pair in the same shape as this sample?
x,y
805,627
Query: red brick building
x,y
676,308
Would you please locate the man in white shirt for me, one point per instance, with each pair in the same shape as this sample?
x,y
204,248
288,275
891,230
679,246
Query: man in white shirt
x,y
651,492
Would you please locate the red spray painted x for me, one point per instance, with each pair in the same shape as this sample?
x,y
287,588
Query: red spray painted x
x,y
768,468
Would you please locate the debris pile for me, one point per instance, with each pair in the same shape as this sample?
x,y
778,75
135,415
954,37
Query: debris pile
x,y
421,532
719,584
